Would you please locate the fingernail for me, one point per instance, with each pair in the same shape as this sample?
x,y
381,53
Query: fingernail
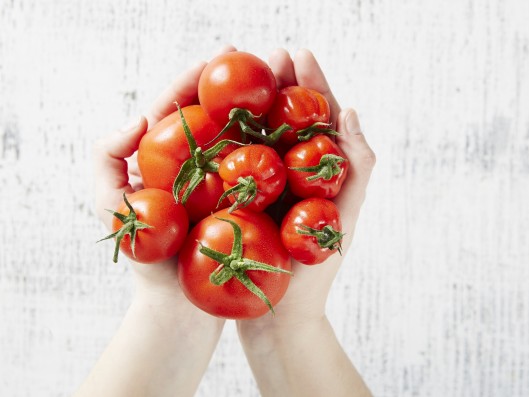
x,y
351,123
131,124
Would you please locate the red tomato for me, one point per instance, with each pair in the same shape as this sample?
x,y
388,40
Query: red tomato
x,y
299,107
254,176
259,242
316,168
236,80
205,198
164,148
160,225
311,230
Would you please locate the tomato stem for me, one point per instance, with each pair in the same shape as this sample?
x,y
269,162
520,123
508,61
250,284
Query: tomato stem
x,y
328,167
131,225
315,129
235,265
326,237
249,126
244,192
194,169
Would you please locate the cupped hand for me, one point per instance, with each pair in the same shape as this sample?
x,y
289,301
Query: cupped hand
x,y
309,287
116,172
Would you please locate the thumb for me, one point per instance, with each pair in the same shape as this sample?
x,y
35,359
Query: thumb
x,y
361,162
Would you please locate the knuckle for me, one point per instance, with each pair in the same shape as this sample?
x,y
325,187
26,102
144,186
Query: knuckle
x,y
368,159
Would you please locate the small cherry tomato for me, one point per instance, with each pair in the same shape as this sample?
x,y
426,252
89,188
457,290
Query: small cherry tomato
x,y
305,110
316,168
254,176
311,230
149,226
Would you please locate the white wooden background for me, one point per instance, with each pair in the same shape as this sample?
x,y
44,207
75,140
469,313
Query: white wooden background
x,y
434,298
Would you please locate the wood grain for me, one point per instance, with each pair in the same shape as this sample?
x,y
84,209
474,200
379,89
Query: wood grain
x,y
433,299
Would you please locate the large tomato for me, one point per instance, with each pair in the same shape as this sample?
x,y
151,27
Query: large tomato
x,y
164,148
311,230
316,168
149,226
254,176
222,286
300,108
236,80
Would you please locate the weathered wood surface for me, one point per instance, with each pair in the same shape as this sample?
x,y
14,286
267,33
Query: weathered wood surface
x,y
434,298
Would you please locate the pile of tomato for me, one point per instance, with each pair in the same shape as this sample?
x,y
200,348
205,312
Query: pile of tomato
x,y
237,185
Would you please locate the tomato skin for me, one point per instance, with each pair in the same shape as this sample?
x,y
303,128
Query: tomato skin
x,y
164,148
264,165
314,213
236,80
204,199
233,300
299,107
169,225
309,153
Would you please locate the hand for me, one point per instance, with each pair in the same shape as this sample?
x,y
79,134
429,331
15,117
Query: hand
x,y
164,343
299,332
306,296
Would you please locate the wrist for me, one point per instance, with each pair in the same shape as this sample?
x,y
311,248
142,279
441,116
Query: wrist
x,y
270,332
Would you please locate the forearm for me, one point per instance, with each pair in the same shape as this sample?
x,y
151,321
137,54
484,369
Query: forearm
x,y
154,353
286,362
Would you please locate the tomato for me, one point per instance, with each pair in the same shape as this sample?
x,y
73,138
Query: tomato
x,y
223,287
311,230
236,80
316,168
300,108
164,148
254,176
205,198
149,226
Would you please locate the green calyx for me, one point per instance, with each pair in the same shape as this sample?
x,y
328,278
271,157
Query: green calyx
x,y
328,167
326,237
235,265
249,126
315,129
194,169
131,225
244,192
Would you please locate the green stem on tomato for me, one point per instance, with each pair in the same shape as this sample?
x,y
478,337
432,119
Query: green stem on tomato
x,y
244,192
326,237
315,129
194,169
235,265
131,225
328,167
250,127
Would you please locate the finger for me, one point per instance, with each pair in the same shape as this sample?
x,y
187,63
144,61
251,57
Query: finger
x,y
361,162
282,67
225,48
184,90
110,166
309,74
133,167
